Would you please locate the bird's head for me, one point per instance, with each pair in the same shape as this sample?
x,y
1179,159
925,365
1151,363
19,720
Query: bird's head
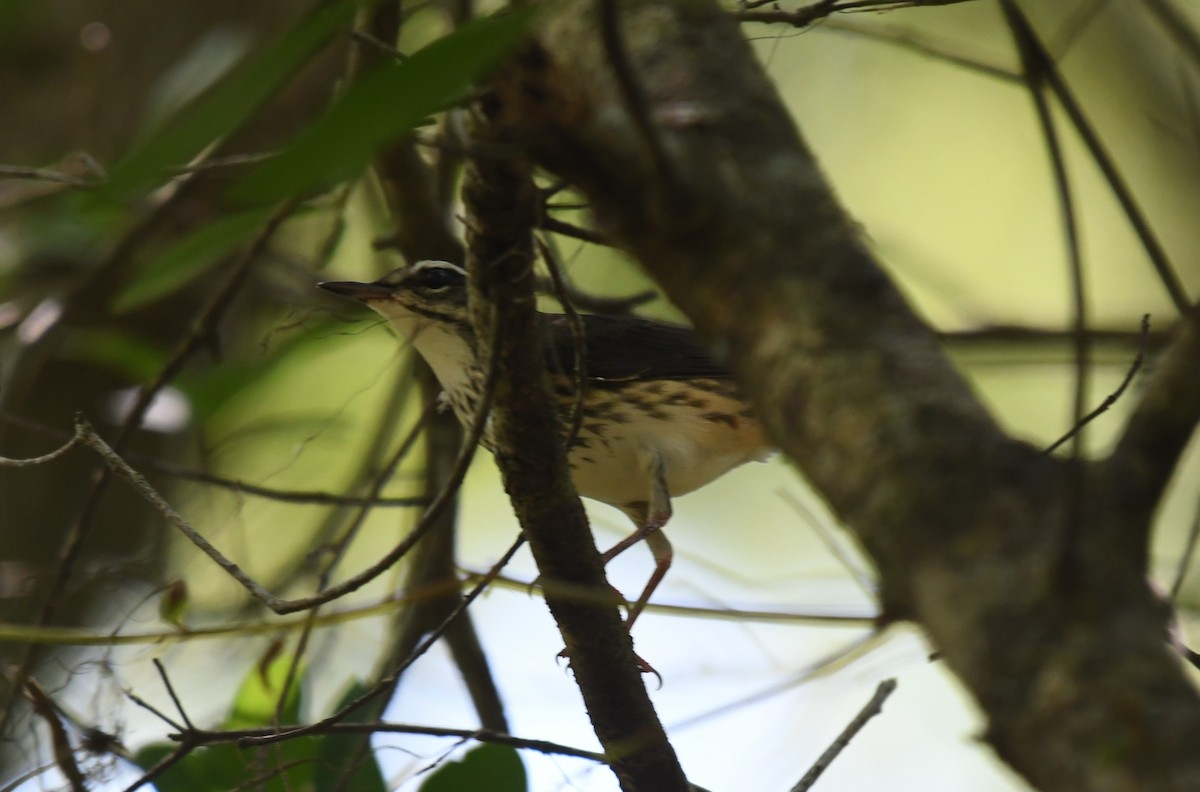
x,y
427,295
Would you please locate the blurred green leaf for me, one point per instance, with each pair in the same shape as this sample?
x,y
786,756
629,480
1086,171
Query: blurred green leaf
x,y
222,109
188,258
258,697
217,768
174,603
335,750
117,350
496,768
381,106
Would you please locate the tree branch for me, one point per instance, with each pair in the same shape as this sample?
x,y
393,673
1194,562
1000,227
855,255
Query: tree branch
x,y
501,200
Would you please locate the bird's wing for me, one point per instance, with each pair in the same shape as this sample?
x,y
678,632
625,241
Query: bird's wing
x,y
623,349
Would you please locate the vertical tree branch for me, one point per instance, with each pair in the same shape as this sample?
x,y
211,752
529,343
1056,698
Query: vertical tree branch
x,y
501,200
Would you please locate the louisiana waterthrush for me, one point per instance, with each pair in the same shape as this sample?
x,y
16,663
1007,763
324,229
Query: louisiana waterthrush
x,y
660,417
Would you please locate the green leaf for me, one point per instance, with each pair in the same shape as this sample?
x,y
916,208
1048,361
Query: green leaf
x,y
222,109
496,768
174,603
217,768
381,106
117,350
258,697
335,750
188,258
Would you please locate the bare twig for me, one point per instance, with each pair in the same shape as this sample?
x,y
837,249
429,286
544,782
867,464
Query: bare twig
x,y
1032,48
594,303
155,711
75,636
378,44
44,174
556,226
385,684
166,680
861,619
277,604
164,764
1033,66
577,336
1024,335
804,17
202,333
252,737
860,576
1178,26
873,707
153,464
1112,398
921,44
64,753
44,458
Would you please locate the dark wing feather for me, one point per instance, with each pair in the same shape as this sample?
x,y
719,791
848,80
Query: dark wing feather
x,y
622,349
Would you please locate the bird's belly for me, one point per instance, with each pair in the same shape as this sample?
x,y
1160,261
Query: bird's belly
x,y
697,443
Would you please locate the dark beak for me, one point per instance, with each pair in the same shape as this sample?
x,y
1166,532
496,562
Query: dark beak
x,y
363,292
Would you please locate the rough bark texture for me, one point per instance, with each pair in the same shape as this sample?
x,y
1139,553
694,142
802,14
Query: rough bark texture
x,y
1063,646
501,200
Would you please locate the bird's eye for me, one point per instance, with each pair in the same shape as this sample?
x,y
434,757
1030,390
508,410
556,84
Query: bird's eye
x,y
438,278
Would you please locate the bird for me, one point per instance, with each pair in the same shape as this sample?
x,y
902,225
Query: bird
x,y
660,416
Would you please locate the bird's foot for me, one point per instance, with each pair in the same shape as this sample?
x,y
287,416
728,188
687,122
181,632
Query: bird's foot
x,y
642,665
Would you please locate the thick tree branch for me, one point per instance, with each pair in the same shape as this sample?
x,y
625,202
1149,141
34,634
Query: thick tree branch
x,y
964,523
501,199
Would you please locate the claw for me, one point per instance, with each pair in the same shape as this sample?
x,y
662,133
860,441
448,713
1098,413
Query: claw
x,y
642,665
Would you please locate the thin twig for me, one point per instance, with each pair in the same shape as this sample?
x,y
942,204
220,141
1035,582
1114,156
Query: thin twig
x,y
231,161
1033,67
166,680
153,464
44,458
277,604
64,753
141,702
1177,26
804,17
75,636
860,576
873,707
241,736
1025,335
1032,46
556,226
577,336
920,44
1112,398
202,332
44,174
378,44
265,738
594,303
582,594
343,542
164,764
